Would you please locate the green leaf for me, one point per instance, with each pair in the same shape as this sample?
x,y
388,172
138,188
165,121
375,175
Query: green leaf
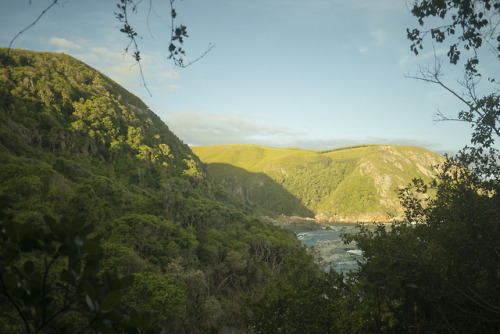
x,y
111,300
68,277
89,302
29,266
127,281
91,247
135,319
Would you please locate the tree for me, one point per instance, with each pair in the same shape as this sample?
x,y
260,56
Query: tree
x,y
51,281
471,28
301,299
438,270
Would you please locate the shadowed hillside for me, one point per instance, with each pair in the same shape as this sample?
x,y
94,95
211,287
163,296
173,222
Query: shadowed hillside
x,y
358,183
267,196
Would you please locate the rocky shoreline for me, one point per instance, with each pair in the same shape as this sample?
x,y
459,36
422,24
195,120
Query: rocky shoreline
x,y
308,224
329,252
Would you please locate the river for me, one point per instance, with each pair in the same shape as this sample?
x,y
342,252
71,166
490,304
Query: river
x,y
331,252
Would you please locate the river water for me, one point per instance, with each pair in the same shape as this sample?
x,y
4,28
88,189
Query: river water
x,y
330,250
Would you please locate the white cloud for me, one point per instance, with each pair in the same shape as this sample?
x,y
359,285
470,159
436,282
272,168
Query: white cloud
x,y
408,59
108,55
64,43
362,49
88,58
379,36
122,72
114,64
206,128
172,74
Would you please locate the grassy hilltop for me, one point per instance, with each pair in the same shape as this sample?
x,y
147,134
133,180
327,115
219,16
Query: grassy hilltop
x,y
357,183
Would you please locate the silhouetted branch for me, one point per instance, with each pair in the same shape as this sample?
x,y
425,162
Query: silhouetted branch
x,y
131,35
16,306
433,76
210,47
177,34
33,23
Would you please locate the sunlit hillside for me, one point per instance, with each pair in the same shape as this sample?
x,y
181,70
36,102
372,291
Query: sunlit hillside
x,y
358,183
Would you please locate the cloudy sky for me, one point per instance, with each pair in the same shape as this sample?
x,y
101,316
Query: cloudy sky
x,y
313,74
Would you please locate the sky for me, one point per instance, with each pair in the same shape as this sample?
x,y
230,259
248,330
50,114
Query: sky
x,y
315,74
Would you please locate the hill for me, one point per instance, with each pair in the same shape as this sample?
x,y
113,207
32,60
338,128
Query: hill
x,y
77,147
357,183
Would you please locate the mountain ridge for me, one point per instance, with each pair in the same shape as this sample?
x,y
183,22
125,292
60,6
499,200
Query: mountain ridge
x,y
345,184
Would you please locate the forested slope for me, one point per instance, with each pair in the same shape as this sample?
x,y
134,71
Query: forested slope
x,y
75,145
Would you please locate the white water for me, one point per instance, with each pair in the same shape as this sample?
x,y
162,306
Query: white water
x,y
330,248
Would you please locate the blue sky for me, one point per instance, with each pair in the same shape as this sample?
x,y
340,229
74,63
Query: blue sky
x,y
313,74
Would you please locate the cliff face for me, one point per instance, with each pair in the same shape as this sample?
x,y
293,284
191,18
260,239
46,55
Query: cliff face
x,y
346,184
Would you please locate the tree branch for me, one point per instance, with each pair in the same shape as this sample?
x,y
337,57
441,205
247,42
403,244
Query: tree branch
x,y
433,77
13,302
128,30
44,284
177,33
33,23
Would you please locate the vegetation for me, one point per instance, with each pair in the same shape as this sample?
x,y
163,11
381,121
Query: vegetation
x,y
109,223
108,217
358,183
469,29
438,272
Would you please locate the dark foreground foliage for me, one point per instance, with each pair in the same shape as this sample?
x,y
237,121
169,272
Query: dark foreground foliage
x,y
440,271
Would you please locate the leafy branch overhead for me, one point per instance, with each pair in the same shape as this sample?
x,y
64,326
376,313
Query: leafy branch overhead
x,y
469,28
178,33
474,23
131,34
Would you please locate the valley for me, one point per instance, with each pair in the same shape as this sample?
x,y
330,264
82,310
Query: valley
x,y
110,223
